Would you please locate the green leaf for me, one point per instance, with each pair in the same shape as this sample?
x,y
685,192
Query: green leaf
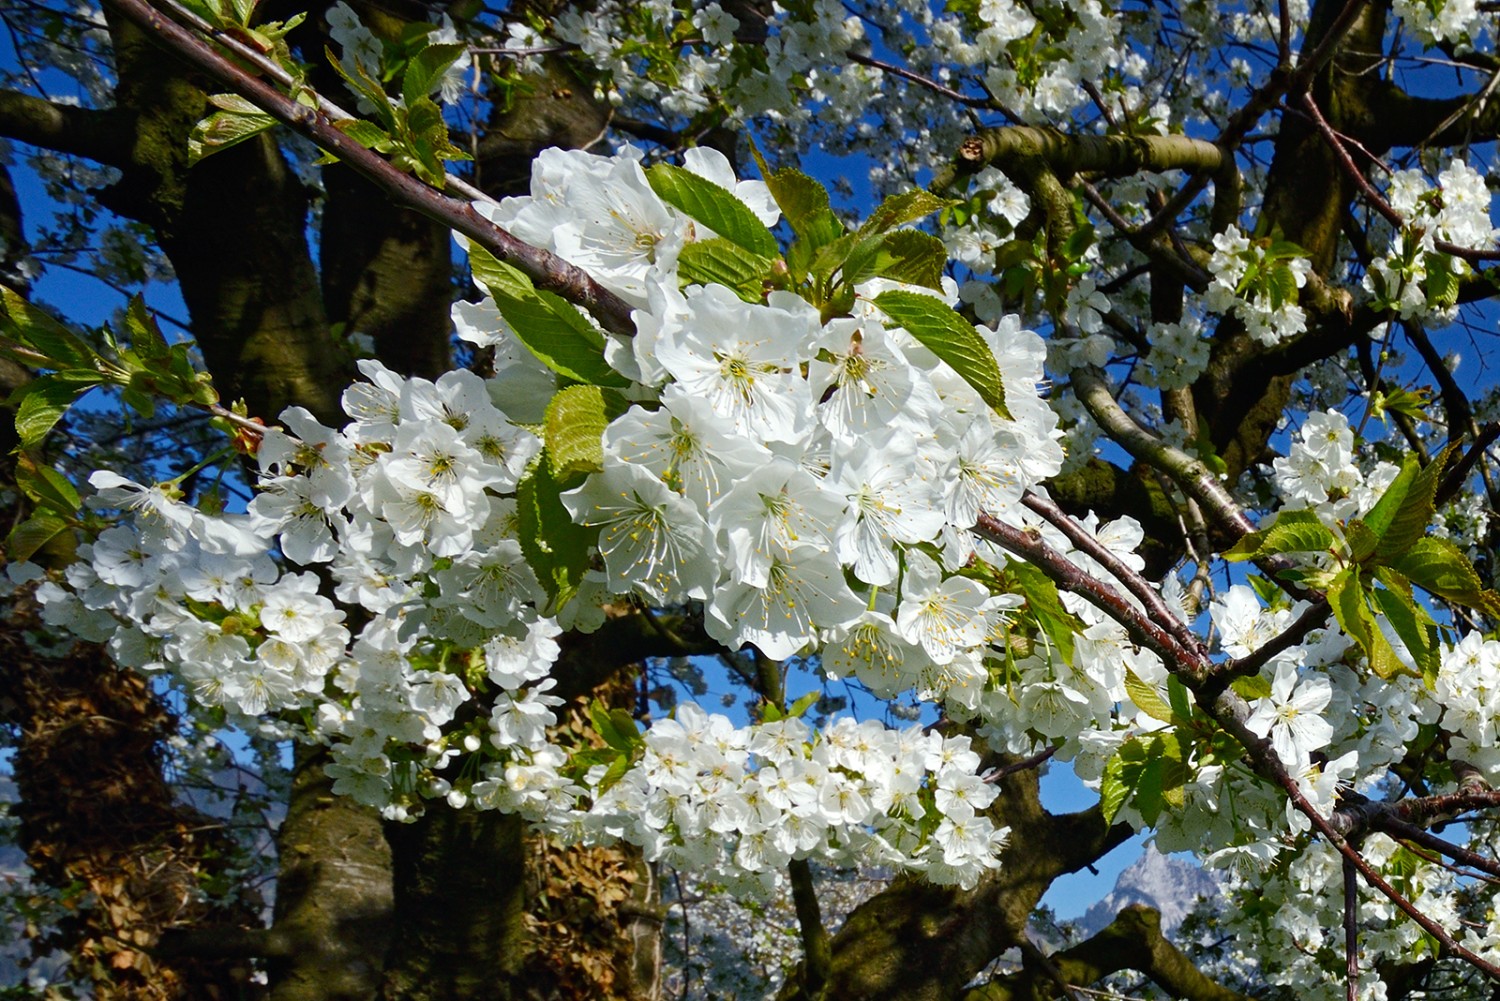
x,y
1122,775
235,121
804,203
1148,791
425,70
575,422
1147,699
704,201
556,549
1440,567
907,255
1175,773
40,331
1362,540
1415,512
898,210
550,328
1177,695
1252,688
802,705
720,262
614,773
1043,602
1380,516
1346,595
45,485
42,402
32,534
1442,282
366,133
1412,624
1297,531
951,338
615,726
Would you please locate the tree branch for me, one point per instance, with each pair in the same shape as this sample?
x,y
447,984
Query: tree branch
x,y
102,136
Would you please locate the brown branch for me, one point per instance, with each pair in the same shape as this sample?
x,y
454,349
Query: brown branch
x,y
547,270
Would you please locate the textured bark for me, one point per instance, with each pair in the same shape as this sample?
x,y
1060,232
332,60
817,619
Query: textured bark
x,y
234,228
333,894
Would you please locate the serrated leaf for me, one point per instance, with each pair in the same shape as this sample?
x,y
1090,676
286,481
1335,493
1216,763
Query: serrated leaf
x,y
32,534
425,70
1419,637
1283,284
550,328
1147,699
1115,786
951,338
556,549
1346,595
366,133
1416,510
804,205
1294,531
1380,516
720,262
898,210
225,128
907,255
1439,567
43,401
45,485
145,334
575,422
1362,540
40,331
1297,532
718,209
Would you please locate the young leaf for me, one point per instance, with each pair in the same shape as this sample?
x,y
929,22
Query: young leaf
x,y
804,203
575,423
720,262
1294,532
236,121
1347,597
951,338
45,485
1043,602
38,330
1415,512
718,209
425,70
42,402
1380,516
898,210
549,327
1147,699
802,705
32,534
907,255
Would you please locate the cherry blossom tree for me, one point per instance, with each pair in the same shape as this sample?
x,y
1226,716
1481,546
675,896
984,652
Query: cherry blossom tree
x,y
1123,427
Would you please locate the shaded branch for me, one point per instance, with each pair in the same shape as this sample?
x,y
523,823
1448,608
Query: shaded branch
x,y
1133,941
102,136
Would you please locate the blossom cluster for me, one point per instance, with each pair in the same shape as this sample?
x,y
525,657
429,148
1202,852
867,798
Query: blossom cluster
x,y
813,485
